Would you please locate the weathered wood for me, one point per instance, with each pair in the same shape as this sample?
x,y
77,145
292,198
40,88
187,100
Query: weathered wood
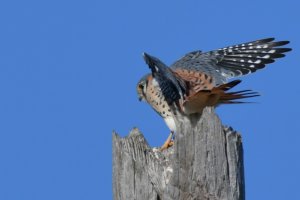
x,y
206,162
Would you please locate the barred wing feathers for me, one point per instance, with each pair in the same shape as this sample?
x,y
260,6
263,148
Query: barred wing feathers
x,y
233,61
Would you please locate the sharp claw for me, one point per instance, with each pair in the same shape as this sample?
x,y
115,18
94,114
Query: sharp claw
x,y
168,143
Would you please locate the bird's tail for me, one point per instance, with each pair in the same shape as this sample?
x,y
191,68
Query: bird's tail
x,y
231,97
216,96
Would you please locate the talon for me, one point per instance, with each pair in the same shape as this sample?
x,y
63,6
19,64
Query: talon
x,y
168,143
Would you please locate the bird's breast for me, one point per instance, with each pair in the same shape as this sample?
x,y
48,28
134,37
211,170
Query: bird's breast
x,y
157,100
170,123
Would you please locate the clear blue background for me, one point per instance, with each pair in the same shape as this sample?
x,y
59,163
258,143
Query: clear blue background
x,y
68,72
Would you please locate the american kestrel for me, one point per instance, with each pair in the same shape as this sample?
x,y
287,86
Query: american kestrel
x,y
200,79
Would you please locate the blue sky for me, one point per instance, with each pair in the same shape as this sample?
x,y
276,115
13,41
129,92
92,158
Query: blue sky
x,y
68,72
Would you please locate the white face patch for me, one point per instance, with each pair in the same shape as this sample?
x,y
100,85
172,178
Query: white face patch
x,y
144,89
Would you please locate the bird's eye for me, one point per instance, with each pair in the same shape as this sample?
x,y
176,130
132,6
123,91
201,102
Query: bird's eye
x,y
141,86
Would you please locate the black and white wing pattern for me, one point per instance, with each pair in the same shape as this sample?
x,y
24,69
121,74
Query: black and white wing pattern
x,y
172,87
233,61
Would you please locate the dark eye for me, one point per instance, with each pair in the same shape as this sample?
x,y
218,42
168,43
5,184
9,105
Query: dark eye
x,y
141,86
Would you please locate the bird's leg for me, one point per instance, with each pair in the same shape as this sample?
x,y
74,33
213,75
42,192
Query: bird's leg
x,y
168,143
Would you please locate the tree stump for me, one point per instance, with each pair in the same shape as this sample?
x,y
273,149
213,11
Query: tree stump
x,y
206,162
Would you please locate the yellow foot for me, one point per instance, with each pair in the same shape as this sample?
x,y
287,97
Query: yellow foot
x,y
168,143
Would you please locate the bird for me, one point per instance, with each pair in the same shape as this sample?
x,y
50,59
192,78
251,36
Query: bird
x,y
202,79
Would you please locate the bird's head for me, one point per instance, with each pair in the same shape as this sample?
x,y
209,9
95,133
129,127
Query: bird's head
x,y
142,87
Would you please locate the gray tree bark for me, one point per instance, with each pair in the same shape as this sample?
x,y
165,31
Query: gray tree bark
x,y
206,162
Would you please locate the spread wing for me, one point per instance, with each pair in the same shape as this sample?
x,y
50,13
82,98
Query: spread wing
x,y
172,87
233,61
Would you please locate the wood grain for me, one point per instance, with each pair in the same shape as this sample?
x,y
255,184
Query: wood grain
x,y
206,162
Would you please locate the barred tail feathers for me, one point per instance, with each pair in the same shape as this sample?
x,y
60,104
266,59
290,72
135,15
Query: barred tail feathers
x,y
231,97
218,95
